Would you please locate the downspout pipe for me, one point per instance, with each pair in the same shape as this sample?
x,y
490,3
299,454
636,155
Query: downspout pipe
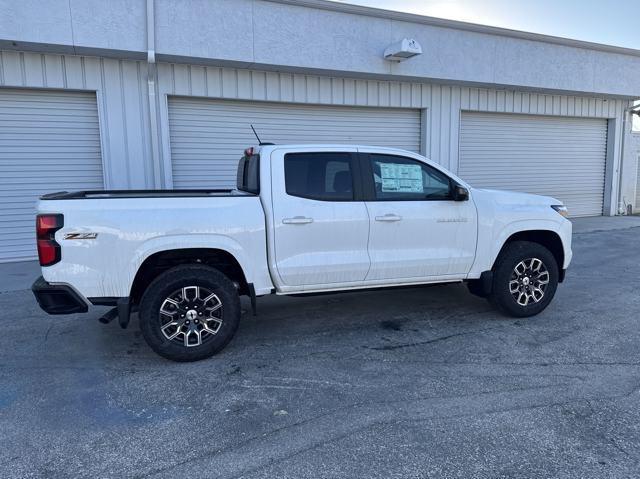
x,y
152,77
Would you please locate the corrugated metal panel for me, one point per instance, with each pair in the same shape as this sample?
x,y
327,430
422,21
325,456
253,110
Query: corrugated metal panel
x,y
208,137
49,141
634,147
123,105
555,156
442,102
637,208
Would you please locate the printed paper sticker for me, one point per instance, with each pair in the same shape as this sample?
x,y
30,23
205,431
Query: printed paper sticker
x,y
401,178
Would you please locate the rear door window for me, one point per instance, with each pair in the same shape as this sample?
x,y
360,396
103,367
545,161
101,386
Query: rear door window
x,y
320,176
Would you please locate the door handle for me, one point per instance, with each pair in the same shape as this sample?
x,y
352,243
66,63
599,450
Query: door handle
x,y
297,220
389,218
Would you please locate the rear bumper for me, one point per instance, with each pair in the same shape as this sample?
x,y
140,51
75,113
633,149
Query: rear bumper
x,y
58,298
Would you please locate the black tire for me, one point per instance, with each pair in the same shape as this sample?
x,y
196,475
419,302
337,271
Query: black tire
x,y
161,289
503,273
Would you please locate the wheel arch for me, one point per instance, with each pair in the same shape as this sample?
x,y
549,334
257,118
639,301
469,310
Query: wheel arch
x,y
161,261
547,238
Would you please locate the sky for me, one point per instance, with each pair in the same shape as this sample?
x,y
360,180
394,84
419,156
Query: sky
x,y
612,22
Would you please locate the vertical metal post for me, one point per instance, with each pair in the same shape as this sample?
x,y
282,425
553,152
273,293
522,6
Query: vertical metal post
x,y
152,84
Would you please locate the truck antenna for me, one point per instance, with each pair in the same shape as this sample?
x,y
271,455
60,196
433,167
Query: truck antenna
x,y
258,138
254,132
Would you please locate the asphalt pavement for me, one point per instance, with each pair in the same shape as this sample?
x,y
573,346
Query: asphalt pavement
x,y
413,383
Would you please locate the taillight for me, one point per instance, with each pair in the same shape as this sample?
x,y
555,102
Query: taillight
x,y
48,250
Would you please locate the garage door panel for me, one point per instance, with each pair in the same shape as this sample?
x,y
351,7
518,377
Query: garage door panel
x,y
42,149
49,141
48,184
553,156
328,129
587,170
275,110
30,171
208,136
637,208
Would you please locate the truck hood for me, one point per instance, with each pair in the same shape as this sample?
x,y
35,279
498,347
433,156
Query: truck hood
x,y
515,198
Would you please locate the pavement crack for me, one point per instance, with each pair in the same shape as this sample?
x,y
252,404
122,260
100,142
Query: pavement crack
x,y
603,436
430,341
46,335
205,455
374,422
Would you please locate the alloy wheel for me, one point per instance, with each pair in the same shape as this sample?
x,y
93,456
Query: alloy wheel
x,y
191,316
529,281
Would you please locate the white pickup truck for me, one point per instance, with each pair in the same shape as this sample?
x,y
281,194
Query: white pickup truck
x,y
303,219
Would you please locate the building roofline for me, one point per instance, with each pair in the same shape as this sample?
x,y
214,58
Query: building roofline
x,y
456,24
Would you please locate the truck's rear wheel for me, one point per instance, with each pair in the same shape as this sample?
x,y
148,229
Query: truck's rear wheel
x,y
189,313
525,279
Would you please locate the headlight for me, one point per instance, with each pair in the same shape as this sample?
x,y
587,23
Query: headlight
x,y
561,209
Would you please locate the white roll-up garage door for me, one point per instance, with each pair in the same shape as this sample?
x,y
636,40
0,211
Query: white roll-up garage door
x,y
555,156
637,209
49,141
209,136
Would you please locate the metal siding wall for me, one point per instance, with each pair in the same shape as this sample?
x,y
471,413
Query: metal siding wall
x,y
634,154
121,89
442,103
637,208
563,157
124,118
208,136
237,84
49,141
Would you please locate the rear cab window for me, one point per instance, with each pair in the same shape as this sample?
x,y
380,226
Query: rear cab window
x,y
248,179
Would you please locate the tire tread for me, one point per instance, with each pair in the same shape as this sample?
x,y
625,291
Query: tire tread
x,y
511,254
171,279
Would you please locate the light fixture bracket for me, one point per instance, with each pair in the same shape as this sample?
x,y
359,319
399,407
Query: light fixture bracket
x,y
403,50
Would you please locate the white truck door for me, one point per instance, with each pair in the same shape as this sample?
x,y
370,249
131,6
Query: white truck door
x,y
321,225
417,230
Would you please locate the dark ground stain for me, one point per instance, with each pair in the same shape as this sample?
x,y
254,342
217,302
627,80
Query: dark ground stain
x,y
391,325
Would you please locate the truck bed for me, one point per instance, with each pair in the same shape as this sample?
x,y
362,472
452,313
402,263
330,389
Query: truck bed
x,y
127,227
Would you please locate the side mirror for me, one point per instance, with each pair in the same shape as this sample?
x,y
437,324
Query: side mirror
x,y
460,193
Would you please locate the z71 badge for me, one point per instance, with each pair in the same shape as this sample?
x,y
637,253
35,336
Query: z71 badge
x,y
80,236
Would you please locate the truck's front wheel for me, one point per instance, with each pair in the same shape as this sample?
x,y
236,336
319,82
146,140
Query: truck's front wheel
x,y
189,313
525,279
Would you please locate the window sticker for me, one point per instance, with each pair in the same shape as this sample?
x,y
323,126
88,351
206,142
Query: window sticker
x,y
402,178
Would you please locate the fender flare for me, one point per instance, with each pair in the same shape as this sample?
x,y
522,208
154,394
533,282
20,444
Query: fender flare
x,y
521,226
189,241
